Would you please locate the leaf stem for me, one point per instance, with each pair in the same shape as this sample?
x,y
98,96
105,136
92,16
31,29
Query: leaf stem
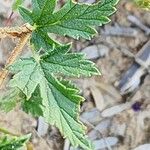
x,y
9,19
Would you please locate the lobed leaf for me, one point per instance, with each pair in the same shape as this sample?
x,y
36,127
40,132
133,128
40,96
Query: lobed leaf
x,y
57,101
73,19
62,108
59,61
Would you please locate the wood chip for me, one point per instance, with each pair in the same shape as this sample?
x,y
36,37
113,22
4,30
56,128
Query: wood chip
x,y
138,23
42,127
101,127
143,147
93,116
116,109
96,51
101,144
98,98
132,77
66,145
120,31
110,90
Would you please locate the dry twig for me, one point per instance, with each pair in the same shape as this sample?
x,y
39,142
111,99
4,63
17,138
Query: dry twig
x,y
23,33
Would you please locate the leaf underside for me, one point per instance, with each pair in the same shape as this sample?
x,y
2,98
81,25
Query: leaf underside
x,y
60,98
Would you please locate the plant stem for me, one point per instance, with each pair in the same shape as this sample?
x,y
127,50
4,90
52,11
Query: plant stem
x,y
9,19
13,56
5,131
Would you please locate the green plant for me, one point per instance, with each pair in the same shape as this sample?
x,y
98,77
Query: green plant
x,y
143,3
37,84
11,141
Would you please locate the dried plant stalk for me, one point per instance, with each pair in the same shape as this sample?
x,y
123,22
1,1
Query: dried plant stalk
x,y
15,31
14,54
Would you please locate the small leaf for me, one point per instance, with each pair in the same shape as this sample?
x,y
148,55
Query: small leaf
x,y
9,100
13,143
27,77
16,4
60,61
34,105
73,19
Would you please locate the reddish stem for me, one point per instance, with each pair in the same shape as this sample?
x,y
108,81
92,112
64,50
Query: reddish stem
x,y
9,19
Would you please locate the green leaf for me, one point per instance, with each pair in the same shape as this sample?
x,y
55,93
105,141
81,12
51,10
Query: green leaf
x,y
26,15
143,3
9,100
57,100
43,8
34,105
62,108
16,4
73,19
77,20
28,76
13,143
59,61
60,99
41,38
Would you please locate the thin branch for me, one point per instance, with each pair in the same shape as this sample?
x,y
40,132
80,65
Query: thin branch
x,y
9,19
24,36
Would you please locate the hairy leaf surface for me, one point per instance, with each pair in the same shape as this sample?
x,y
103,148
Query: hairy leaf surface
x,y
28,76
60,99
9,100
34,105
73,19
59,61
62,108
